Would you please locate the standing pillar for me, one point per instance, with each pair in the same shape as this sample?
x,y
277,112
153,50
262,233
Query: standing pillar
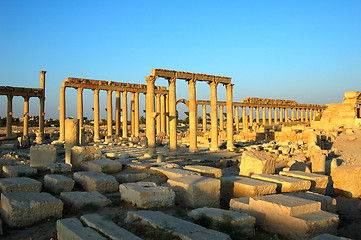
x,y
9,116
80,114
297,114
251,116
109,113
230,145
281,114
117,113
275,111
269,116
62,112
204,117
221,123
292,114
96,115
132,122
236,118
286,114
167,123
263,116
150,121
26,116
172,115
162,114
158,111
42,107
136,114
125,115
244,120
257,115
193,121
308,115
214,117
302,115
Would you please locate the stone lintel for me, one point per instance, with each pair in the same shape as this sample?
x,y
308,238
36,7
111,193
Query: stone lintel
x,y
19,91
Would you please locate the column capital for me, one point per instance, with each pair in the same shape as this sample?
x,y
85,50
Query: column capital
x,y
192,81
213,83
96,91
80,90
171,80
229,85
150,79
42,72
26,98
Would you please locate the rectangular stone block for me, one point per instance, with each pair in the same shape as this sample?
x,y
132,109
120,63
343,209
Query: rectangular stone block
x,y
81,199
19,171
147,194
174,172
19,184
58,183
104,165
285,184
58,167
40,155
82,154
318,182
24,209
96,181
131,177
256,162
196,191
205,170
72,228
328,204
241,205
346,180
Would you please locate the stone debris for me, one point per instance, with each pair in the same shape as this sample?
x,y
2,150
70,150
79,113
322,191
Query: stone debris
x,y
104,165
328,204
83,199
40,155
318,182
82,154
72,228
346,180
58,183
131,177
284,183
96,181
205,170
19,184
255,162
174,172
19,171
58,167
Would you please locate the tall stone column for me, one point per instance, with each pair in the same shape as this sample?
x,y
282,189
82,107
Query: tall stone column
x,y
125,115
230,145
150,120
275,111
42,106
167,122
302,115
292,114
158,111
136,114
257,115
26,116
263,116
132,122
297,113
236,118
244,120
172,115
9,116
214,117
80,114
281,114
204,117
269,116
251,116
117,113
62,113
221,122
96,115
308,118
286,114
162,114
109,113
193,121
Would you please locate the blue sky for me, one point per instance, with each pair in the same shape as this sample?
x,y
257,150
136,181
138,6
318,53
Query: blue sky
x,y
308,51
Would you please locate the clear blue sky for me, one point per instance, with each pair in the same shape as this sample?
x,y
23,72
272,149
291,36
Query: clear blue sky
x,y
308,51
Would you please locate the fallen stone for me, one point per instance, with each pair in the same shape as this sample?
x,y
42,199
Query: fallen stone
x,y
285,184
241,205
58,167
82,199
328,204
82,154
58,183
19,171
131,177
105,165
318,181
19,184
346,180
96,181
72,228
7,162
174,172
40,155
205,170
255,162
300,166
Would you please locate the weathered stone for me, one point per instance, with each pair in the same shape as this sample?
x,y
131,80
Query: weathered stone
x,y
19,171
58,167
58,183
299,166
82,154
82,199
40,155
285,184
71,138
19,184
318,182
96,181
131,177
24,209
147,194
328,204
7,162
326,236
179,228
105,165
241,205
346,180
72,228
196,191
174,172
255,162
205,170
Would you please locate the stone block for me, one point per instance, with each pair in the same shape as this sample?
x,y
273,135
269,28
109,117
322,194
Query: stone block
x,y
147,194
179,227
83,154
72,228
241,205
205,170
58,167
131,177
196,191
285,184
82,199
19,184
58,183
24,209
255,162
107,227
71,138
174,172
104,165
244,222
318,182
96,181
346,180
7,162
19,171
40,155
328,204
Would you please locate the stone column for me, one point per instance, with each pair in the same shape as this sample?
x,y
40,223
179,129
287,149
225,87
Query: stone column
x,y
286,114
230,145
71,137
244,120
214,117
109,113
158,111
9,116
281,114
204,116
257,115
251,116
117,113
297,113
236,118
302,115
26,116
162,114
269,116
96,115
172,115
80,113
275,111
308,118
132,114
136,114
193,121
221,123
150,121
167,122
42,107
125,115
62,113
263,116
292,114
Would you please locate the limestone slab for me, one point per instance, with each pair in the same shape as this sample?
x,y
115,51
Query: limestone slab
x,y
72,228
58,183
24,209
131,177
19,184
81,199
328,204
40,155
346,180
256,162
318,182
241,205
174,172
105,165
82,154
19,171
205,171
180,228
96,181
285,184
58,167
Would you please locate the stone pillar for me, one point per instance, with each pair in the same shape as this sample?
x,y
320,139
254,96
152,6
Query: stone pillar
x,y
269,116
286,114
275,111
230,145
236,118
297,113
302,115
132,114
62,113
167,122
263,116
125,115
42,106
308,119
158,111
80,113
204,117
96,115
150,121
136,114
193,121
292,114
26,116
162,114
244,120
214,117
117,113
172,115
71,137
221,123
281,114
251,116
109,113
257,115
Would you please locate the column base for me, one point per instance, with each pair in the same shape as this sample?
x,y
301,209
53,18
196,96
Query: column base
x,y
231,148
213,149
193,150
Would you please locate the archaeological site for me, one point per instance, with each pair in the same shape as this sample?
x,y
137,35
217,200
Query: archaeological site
x,y
252,168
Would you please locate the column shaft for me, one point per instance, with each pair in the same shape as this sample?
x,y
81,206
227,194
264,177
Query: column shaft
x,y
158,111
80,113
132,122
96,115
117,113
269,116
276,115
162,114
150,121
167,122
236,118
42,105
125,115
26,116
214,117
251,116
230,145
9,116
109,113
257,115
62,113
204,117
263,116
172,115
136,114
281,114
244,120
221,123
193,121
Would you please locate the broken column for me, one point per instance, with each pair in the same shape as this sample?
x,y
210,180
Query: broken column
x,y
71,137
